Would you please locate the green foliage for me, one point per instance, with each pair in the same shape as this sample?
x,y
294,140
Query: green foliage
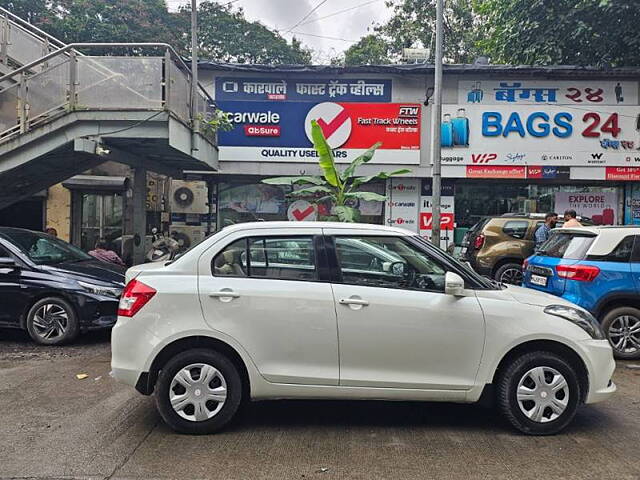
x,y
370,50
550,32
339,187
225,35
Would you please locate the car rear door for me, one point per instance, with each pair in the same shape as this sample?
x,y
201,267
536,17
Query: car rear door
x,y
270,292
397,328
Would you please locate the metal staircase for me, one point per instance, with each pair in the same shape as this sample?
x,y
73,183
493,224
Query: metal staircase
x,y
62,111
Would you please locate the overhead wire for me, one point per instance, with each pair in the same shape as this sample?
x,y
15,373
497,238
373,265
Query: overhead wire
x,y
322,2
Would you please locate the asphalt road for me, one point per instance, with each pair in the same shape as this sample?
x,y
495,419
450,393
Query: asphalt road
x,y
53,425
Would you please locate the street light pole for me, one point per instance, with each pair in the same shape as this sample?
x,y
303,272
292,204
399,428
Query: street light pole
x,y
436,121
194,64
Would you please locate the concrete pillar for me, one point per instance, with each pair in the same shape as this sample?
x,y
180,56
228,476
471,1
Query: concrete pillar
x,y
139,214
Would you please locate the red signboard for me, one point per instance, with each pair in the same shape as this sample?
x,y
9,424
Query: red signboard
x,y
477,171
622,173
426,221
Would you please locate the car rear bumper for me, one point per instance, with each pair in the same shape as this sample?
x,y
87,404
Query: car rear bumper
x,y
601,365
131,348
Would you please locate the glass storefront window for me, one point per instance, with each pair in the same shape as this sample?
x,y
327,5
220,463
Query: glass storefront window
x,y
476,200
252,201
101,218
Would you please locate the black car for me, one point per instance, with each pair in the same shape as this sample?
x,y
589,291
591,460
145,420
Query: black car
x,y
54,290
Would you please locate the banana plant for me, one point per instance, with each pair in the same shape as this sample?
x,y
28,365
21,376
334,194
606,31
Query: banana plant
x,y
338,187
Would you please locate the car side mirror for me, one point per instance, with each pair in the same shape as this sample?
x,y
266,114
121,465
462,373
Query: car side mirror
x,y
8,262
453,284
394,268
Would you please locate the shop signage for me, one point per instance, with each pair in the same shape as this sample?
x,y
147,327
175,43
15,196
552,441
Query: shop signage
x,y
281,131
599,206
302,211
447,212
476,171
536,92
403,195
307,90
558,135
622,173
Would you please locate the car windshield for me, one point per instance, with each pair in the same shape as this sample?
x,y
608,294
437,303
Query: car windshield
x,y
44,249
485,282
571,246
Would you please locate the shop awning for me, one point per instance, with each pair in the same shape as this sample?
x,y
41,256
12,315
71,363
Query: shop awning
x,y
100,183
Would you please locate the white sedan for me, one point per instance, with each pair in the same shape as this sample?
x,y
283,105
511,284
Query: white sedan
x,y
275,310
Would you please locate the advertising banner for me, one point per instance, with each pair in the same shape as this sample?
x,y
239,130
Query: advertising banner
x,y
535,92
279,89
632,204
447,212
541,135
403,195
599,206
281,131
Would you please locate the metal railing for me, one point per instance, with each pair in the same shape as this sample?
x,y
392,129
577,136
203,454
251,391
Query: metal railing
x,y
73,82
22,42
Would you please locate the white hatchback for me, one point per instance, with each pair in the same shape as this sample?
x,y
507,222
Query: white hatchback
x,y
347,311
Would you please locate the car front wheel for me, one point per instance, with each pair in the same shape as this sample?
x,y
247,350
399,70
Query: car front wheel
x,y
52,321
622,327
198,391
539,393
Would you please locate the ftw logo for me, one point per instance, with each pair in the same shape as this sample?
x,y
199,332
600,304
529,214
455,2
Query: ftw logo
x,y
408,111
596,156
483,157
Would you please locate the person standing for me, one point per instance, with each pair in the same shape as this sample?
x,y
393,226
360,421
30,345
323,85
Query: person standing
x,y
570,219
543,231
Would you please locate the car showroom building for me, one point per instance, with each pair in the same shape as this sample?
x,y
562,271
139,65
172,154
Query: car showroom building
x,y
514,139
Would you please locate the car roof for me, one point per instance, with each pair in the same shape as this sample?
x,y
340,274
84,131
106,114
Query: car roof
x,y
239,227
607,236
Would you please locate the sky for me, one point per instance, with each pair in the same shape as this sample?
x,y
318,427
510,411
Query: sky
x,y
288,18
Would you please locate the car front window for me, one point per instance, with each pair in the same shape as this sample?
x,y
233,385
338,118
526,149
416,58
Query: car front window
x,y
46,250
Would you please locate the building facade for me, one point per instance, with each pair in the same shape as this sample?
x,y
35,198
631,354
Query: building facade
x,y
514,139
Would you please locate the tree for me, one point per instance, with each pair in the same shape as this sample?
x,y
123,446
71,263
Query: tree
x,y
548,32
413,24
370,50
225,35
338,187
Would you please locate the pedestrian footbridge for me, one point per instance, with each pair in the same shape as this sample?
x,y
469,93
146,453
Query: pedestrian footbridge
x,y
67,108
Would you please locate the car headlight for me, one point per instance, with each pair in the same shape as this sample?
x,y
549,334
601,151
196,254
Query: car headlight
x,y
583,319
101,290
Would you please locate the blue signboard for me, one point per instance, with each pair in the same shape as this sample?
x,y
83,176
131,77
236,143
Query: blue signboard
x,y
303,90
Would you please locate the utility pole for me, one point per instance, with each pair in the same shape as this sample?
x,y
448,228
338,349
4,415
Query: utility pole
x,y
436,121
194,64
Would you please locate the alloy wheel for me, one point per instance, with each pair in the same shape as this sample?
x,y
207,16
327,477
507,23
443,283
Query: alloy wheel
x,y
624,333
198,392
512,276
50,321
542,394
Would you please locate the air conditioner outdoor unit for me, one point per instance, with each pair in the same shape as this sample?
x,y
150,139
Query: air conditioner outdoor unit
x,y
189,197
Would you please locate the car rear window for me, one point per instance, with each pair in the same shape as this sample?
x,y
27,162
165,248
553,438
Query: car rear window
x,y
572,246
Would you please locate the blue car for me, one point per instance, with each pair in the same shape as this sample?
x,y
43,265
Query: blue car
x,y
597,268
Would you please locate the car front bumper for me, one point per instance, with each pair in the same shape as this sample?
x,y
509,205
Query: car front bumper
x,y
600,365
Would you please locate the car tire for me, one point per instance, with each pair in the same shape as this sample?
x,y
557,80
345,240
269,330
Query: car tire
x,y
52,321
198,408
617,320
511,271
526,397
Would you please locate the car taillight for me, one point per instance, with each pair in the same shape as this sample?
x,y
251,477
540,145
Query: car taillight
x,y
135,296
479,241
582,273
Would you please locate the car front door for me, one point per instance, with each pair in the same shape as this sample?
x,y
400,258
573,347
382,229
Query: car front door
x,y
272,294
396,326
13,294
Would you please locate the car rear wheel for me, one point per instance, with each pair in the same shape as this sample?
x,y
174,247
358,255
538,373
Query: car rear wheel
x,y
52,321
539,393
510,273
198,391
622,327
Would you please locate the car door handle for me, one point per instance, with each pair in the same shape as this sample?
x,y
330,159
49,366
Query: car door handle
x,y
224,294
353,301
